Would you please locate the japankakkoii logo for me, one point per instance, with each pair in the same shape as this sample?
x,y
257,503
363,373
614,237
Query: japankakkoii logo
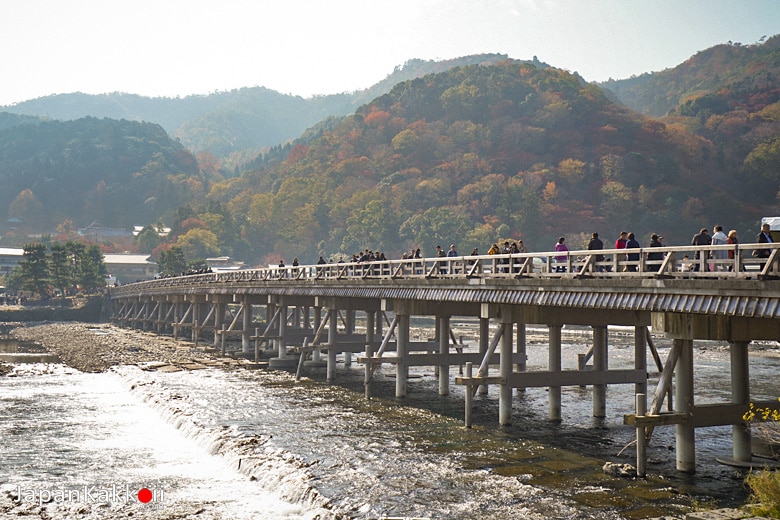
x,y
91,494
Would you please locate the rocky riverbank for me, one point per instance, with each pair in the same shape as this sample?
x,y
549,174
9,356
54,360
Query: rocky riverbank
x,y
91,347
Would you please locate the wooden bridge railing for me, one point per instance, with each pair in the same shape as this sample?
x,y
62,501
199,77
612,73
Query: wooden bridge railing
x,y
726,262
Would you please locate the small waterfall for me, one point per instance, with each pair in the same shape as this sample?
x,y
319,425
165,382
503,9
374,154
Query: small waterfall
x,y
275,470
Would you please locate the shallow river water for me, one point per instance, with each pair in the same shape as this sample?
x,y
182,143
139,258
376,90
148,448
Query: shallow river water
x,y
256,444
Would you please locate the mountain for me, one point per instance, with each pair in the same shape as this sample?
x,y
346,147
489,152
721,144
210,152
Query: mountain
x,y
486,152
237,120
117,173
470,154
742,69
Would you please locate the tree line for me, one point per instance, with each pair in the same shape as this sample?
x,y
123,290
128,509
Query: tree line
x,y
63,268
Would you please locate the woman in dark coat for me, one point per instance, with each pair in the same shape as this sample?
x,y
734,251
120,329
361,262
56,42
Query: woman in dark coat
x,y
655,257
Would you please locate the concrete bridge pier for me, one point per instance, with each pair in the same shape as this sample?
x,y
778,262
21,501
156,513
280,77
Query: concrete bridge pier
x,y
246,315
160,318
349,326
600,365
282,360
175,323
505,371
196,321
684,433
484,343
306,316
442,329
640,357
370,327
316,356
740,394
522,363
219,319
402,351
332,342
554,365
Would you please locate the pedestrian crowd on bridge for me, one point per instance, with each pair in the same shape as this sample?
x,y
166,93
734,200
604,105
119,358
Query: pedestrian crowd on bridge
x,y
714,260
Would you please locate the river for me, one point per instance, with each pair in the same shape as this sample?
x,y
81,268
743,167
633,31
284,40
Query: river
x,y
254,444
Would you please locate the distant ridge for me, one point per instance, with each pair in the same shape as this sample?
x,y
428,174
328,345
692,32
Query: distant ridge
x,y
250,118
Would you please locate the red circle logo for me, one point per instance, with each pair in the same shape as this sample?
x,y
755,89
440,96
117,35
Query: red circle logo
x,y
144,495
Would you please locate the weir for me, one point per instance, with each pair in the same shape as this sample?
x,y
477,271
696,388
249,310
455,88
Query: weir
x,y
289,314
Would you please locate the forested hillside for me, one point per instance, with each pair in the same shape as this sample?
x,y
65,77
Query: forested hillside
x,y
742,70
468,155
240,121
481,153
118,173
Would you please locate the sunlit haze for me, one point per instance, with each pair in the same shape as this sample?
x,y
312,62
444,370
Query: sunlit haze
x,y
308,47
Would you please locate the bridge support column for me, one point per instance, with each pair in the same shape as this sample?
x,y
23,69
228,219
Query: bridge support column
x,y
402,351
554,365
246,314
332,342
380,324
160,316
219,319
522,363
505,371
306,325
443,328
196,308
640,357
316,360
145,321
684,433
370,319
282,360
599,365
740,393
484,342
175,325
349,326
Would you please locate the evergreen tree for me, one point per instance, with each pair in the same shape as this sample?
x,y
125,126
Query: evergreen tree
x,y
61,268
173,261
92,275
34,268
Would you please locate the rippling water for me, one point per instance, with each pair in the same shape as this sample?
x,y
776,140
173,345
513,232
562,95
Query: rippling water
x,y
256,444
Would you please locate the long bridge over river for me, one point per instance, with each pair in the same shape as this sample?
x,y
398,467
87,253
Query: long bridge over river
x,y
311,311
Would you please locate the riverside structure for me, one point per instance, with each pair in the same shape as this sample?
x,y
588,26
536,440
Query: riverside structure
x,y
734,300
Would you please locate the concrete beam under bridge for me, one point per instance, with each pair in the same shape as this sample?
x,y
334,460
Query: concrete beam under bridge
x,y
560,315
347,304
722,328
431,308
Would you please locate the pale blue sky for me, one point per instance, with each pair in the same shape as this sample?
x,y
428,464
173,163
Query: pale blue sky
x,y
305,47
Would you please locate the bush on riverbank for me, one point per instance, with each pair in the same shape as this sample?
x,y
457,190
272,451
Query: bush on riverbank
x,y
765,485
765,493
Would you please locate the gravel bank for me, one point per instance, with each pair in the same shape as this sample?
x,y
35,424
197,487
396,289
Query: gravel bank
x,y
91,347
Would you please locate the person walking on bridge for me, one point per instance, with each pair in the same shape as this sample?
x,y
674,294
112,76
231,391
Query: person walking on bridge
x,y
764,237
702,238
596,244
655,259
560,259
719,238
632,243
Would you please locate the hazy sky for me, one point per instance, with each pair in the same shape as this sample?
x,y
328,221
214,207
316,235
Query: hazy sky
x,y
305,47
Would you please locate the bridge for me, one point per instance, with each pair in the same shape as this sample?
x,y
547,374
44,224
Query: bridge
x,y
304,315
